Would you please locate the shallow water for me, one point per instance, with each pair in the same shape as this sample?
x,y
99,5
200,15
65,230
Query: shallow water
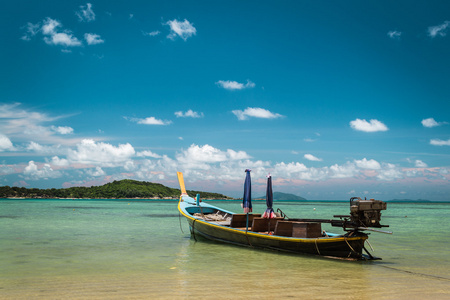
x,y
59,249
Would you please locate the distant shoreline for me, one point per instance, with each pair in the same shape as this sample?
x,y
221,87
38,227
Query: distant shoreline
x,y
406,201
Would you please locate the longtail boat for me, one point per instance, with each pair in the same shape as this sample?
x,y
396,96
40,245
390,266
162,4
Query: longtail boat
x,y
278,232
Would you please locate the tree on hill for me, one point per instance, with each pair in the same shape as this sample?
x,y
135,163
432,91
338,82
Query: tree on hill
x,y
122,189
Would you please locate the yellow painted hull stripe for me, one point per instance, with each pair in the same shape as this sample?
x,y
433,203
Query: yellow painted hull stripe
x,y
272,237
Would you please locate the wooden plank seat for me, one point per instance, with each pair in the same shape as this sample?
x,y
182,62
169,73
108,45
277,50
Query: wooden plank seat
x,y
298,229
240,220
262,224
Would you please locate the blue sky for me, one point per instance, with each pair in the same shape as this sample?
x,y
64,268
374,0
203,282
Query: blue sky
x,y
334,98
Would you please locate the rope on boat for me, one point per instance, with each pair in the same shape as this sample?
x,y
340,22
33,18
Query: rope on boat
x,y
369,245
248,240
345,239
179,218
193,230
317,247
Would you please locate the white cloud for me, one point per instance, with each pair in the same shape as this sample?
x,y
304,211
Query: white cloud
x,y
438,142
394,34
372,126
288,169
102,154
5,143
6,170
439,30
25,125
129,166
368,164
311,157
49,26
98,171
420,164
52,37
152,33
255,112
61,162
209,154
190,113
389,172
62,129
234,85
63,39
44,172
343,171
431,122
182,29
86,14
93,39
45,149
53,33
31,30
33,146
149,121
147,153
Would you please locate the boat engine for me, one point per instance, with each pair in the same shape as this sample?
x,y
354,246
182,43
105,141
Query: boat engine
x,y
366,213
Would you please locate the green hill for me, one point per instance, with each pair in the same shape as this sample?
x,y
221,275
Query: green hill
x,y
283,196
122,189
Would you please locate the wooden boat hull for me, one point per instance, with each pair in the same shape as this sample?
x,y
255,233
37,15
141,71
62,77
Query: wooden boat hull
x,y
339,246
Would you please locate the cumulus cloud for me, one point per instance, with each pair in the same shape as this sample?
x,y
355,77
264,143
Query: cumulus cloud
x,y
431,122
101,154
234,85
45,172
49,26
86,14
5,143
93,39
147,153
62,129
52,37
209,154
394,34
371,126
61,162
152,33
420,164
289,169
389,172
368,164
311,157
183,29
149,121
439,142
98,171
347,170
189,114
53,33
438,30
63,39
6,170
255,112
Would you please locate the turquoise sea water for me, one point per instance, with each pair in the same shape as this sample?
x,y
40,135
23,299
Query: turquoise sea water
x,y
61,249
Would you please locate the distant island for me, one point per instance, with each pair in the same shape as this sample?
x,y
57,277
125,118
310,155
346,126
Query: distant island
x,y
283,196
122,189
409,200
